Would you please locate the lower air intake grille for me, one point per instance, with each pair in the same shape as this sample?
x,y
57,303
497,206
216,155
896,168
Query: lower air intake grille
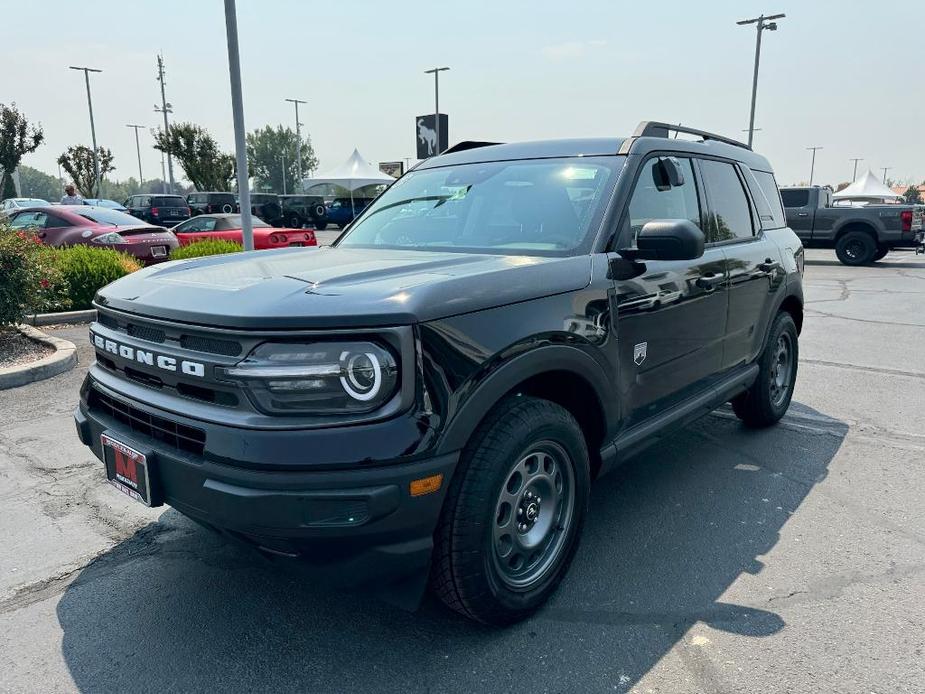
x,y
173,434
144,332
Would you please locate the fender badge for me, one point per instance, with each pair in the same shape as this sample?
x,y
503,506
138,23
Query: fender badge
x,y
639,352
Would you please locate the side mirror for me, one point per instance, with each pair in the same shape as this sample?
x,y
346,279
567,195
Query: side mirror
x,y
667,239
667,174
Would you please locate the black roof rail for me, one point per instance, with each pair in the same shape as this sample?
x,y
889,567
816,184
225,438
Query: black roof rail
x,y
649,128
468,144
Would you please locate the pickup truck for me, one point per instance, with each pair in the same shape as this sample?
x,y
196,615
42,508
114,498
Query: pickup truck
x,y
860,234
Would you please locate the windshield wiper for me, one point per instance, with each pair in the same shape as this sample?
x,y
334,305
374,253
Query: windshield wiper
x,y
441,198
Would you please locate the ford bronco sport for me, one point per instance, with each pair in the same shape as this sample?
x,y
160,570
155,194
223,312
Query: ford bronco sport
x,y
431,397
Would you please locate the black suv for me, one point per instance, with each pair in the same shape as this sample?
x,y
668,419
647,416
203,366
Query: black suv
x,y
301,210
432,396
211,203
267,207
164,210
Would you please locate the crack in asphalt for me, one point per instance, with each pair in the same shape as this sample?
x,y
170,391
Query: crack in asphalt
x,y
859,367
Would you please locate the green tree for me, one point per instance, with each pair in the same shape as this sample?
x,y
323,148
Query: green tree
x,y
271,155
206,167
17,138
77,162
38,184
912,195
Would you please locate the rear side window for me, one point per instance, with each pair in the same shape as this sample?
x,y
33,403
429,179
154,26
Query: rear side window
x,y
168,201
651,201
794,197
769,189
730,215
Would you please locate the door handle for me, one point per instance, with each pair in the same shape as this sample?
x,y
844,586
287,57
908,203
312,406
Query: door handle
x,y
768,266
710,281
802,214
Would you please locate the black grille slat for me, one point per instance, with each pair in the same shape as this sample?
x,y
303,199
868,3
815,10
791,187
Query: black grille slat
x,y
146,332
108,320
174,434
229,348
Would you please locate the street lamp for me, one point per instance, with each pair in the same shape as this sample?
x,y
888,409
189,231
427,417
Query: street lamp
x,y
237,113
884,169
854,176
165,109
141,178
282,164
96,158
436,73
763,23
298,137
812,166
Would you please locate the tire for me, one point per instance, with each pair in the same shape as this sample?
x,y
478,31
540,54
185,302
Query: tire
x,y
768,398
321,226
319,210
295,222
526,446
855,248
881,253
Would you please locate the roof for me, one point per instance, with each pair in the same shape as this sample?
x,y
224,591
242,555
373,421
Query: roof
x,y
352,174
601,146
867,187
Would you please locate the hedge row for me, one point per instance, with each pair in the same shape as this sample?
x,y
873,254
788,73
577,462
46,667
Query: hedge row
x,y
35,278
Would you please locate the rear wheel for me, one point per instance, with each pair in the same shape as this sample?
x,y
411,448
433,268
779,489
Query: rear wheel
x,y
768,398
294,222
856,248
514,513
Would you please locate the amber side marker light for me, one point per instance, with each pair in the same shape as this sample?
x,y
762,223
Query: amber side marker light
x,y
425,485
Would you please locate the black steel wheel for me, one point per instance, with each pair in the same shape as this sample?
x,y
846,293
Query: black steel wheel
x,y
514,512
855,248
768,398
295,222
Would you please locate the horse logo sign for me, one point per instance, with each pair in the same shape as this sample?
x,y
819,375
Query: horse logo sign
x,y
426,130
639,353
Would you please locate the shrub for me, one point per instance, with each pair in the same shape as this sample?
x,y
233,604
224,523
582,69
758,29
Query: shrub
x,y
87,269
29,281
199,249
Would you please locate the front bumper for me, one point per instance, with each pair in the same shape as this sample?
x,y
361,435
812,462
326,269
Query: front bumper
x,y
359,526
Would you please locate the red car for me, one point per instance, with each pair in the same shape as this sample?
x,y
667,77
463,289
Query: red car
x,y
69,225
228,228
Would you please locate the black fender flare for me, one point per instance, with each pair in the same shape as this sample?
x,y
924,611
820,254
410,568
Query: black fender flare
x,y
504,378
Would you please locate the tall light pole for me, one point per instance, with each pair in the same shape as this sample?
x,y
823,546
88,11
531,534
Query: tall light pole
x,y
884,169
237,113
812,166
96,156
763,23
141,178
436,73
854,176
282,164
298,137
165,109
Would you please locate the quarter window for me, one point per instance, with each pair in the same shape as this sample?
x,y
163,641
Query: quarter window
x,y
769,189
730,216
794,197
29,220
652,200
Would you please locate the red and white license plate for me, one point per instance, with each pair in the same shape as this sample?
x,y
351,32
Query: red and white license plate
x,y
128,470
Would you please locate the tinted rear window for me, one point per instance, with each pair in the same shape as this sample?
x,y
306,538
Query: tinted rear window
x,y
771,193
795,198
104,216
167,201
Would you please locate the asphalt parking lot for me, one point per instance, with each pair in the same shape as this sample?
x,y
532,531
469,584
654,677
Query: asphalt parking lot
x,y
721,560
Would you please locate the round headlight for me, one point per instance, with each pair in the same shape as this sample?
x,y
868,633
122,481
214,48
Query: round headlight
x,y
363,375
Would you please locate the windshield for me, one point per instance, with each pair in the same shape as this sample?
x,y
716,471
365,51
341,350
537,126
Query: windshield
x,y
234,222
532,207
104,216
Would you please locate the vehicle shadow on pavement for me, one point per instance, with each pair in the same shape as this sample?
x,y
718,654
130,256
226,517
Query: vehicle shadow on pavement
x,y
176,607
879,264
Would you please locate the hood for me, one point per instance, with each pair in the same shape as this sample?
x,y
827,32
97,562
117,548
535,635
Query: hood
x,y
338,288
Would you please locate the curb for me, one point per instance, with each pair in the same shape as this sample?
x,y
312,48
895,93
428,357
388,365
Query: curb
x,y
87,316
63,359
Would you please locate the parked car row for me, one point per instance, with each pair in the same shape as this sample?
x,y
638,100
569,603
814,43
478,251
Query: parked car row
x,y
149,243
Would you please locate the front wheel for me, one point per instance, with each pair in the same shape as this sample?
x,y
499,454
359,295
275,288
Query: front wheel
x,y
768,398
514,513
295,222
855,248
881,253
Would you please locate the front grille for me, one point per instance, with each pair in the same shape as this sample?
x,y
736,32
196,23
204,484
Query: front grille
x,y
146,332
196,343
179,436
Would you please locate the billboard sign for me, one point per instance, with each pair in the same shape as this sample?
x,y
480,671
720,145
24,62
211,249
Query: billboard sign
x,y
395,169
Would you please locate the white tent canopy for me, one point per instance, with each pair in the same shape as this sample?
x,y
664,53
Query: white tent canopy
x,y
353,174
867,187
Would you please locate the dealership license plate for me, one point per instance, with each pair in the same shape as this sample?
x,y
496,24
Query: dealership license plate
x,y
158,251
128,470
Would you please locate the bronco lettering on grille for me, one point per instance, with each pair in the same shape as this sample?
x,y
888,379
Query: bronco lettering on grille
x,y
161,361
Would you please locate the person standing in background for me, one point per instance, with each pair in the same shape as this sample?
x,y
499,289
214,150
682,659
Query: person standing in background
x,y
70,196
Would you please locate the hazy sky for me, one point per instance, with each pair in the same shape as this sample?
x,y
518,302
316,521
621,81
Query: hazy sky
x,y
844,75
